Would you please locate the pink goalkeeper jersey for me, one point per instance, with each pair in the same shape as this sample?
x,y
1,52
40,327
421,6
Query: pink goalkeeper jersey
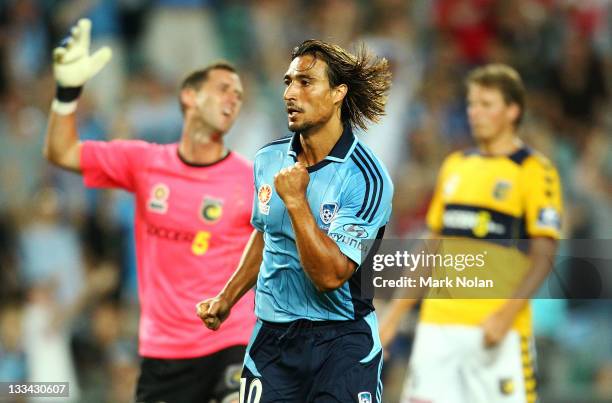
x,y
192,223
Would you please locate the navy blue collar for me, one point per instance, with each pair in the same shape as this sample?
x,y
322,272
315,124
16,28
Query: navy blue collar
x,y
339,153
517,156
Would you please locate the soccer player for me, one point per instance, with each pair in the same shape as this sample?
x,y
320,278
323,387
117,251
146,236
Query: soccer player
x,y
192,221
320,194
480,350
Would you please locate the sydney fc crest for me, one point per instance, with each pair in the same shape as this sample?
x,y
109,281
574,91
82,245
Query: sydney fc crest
x,y
327,212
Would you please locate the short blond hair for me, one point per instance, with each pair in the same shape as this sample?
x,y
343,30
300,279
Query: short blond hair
x,y
503,78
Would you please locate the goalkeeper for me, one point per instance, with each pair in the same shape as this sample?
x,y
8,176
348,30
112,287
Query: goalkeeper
x,y
192,223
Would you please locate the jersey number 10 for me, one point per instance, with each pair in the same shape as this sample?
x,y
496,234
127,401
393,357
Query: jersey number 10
x,y
255,390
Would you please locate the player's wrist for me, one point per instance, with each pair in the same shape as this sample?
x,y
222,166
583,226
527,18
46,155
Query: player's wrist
x,y
68,94
228,297
511,309
65,102
63,108
296,202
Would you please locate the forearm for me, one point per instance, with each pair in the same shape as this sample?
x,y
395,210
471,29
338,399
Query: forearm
x,y
245,277
396,311
393,317
73,66
541,255
62,146
324,263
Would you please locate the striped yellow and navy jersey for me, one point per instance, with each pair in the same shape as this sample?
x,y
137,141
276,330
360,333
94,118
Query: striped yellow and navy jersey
x,y
484,203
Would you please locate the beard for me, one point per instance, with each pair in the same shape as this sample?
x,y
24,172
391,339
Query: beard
x,y
302,127
307,126
311,121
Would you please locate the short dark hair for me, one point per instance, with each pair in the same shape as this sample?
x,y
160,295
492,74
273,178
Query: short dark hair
x,y
503,78
196,78
367,77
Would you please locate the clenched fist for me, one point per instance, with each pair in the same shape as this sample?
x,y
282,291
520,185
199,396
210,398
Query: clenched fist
x,y
213,311
291,183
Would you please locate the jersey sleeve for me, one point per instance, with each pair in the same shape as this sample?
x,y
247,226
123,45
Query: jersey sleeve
x,y
258,207
364,209
435,213
542,198
113,163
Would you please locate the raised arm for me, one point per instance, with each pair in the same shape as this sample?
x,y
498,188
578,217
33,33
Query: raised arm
x,y
72,67
62,145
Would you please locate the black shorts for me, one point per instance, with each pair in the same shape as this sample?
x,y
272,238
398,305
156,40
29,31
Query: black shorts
x,y
318,362
212,378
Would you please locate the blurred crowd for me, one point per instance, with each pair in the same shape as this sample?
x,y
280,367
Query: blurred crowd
x,y
68,300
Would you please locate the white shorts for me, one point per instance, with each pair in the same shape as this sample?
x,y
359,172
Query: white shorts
x,y
449,364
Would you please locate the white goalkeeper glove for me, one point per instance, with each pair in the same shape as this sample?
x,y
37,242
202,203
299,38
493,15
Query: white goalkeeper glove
x,y
73,66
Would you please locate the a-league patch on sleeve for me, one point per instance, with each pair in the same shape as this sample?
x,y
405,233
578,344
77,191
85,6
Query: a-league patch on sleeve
x,y
549,217
264,194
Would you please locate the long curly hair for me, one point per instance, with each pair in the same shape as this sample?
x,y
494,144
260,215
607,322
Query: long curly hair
x,y
367,77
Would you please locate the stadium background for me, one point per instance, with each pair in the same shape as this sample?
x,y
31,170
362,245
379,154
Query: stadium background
x,y
67,277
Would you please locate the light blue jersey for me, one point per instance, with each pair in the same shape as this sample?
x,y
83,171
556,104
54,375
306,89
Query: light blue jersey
x,y
350,195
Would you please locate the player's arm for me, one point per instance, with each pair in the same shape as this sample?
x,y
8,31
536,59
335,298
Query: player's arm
x,y
72,67
543,207
326,266
405,299
214,311
62,145
541,256
392,317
